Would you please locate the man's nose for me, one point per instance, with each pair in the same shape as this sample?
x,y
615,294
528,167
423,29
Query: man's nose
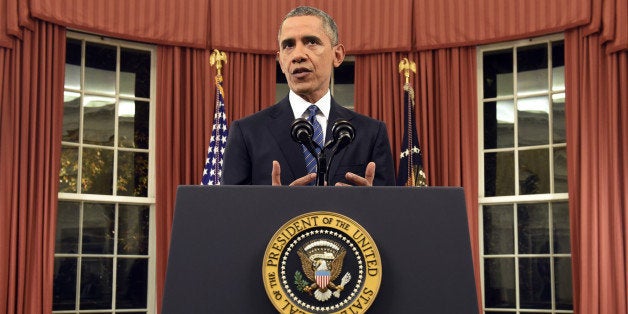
x,y
299,53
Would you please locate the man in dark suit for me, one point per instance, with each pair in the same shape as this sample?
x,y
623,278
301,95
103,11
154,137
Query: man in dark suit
x,y
258,145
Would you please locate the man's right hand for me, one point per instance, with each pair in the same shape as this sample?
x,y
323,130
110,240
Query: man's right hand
x,y
302,181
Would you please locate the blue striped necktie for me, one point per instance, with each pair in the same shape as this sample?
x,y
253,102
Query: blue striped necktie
x,y
310,161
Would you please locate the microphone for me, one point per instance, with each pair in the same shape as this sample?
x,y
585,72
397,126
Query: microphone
x,y
302,131
343,133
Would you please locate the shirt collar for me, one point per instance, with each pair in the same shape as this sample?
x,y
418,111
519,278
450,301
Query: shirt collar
x,y
299,105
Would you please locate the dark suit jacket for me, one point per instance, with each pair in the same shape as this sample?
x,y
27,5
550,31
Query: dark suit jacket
x,y
255,141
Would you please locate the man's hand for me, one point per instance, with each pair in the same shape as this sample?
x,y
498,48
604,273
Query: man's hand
x,y
369,176
304,180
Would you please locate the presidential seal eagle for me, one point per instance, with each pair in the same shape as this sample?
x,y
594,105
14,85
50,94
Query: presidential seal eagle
x,y
321,261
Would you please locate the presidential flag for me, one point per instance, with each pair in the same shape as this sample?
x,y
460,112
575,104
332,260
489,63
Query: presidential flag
x,y
213,165
411,158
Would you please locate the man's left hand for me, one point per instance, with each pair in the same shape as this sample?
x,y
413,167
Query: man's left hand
x,y
367,180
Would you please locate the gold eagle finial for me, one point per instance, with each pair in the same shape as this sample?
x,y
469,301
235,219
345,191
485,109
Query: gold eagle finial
x,y
406,66
217,57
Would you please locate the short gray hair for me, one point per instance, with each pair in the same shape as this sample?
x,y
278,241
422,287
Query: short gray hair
x,y
329,25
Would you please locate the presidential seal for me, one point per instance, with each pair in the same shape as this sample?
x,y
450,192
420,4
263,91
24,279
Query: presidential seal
x,y
321,262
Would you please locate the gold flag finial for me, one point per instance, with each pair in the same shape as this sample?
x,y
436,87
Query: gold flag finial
x,y
217,57
406,66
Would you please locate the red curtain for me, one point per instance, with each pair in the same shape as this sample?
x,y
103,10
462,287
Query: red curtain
x,y
185,108
366,26
446,114
597,99
31,112
453,23
167,22
183,113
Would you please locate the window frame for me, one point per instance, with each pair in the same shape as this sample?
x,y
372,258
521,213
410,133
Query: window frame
x,y
516,199
150,198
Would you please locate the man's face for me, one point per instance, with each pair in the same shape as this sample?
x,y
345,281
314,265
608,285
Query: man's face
x,y
307,57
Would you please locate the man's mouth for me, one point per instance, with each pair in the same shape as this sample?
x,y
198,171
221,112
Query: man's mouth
x,y
300,72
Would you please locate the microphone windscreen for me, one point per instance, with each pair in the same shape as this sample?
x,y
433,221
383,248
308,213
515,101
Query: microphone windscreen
x,y
302,131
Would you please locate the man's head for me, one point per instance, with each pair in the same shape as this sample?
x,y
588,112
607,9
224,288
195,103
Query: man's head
x,y
308,51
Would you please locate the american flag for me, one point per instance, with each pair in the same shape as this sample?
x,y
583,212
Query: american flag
x,y
213,165
411,158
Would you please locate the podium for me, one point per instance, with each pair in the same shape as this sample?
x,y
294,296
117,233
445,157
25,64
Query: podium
x,y
220,233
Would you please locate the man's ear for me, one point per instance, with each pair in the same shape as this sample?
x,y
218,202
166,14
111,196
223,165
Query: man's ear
x,y
339,54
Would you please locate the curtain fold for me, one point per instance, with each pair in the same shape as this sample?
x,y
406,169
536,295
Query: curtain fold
x,y
166,22
597,99
402,25
446,115
453,23
183,111
32,114
185,108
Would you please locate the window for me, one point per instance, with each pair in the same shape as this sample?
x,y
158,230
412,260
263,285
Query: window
x,y
342,83
104,250
524,212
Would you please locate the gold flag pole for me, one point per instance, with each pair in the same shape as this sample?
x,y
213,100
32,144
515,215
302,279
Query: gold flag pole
x,y
217,57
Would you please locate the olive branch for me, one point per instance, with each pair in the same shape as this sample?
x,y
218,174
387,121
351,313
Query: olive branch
x,y
299,281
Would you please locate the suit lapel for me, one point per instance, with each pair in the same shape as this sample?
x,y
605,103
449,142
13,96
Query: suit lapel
x,y
281,118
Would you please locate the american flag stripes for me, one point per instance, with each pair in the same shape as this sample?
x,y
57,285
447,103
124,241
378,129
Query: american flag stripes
x,y
213,165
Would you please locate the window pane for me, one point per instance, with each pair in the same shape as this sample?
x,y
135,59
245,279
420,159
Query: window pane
x,y
98,228
534,177
99,120
64,285
68,172
131,284
71,116
73,64
67,234
281,89
100,68
133,229
533,121
564,289
499,282
499,172
532,64
498,229
132,174
558,118
498,73
97,171
558,66
533,228
499,124
134,73
534,283
560,170
133,119
343,84
560,219
96,283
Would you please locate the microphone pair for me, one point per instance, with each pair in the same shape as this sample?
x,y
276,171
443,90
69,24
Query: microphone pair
x,y
342,132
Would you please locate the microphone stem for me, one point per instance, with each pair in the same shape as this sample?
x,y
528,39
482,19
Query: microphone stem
x,y
321,168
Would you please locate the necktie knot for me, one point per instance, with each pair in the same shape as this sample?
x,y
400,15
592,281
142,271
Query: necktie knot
x,y
313,111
